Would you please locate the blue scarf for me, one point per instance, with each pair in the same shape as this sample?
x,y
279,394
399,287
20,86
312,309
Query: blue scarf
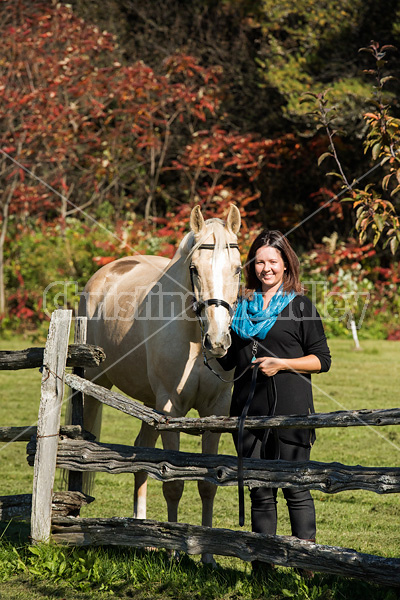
x,y
250,320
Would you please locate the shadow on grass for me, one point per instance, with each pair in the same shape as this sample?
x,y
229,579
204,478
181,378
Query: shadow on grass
x,y
15,532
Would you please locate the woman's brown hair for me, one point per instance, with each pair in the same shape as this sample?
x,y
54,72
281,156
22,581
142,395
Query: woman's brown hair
x,y
273,239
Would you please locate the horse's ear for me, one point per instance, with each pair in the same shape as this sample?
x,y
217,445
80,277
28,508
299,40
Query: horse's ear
x,y
233,220
196,220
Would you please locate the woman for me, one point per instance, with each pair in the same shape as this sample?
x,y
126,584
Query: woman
x,y
279,329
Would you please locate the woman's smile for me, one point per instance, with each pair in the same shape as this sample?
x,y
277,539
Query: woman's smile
x,y
269,267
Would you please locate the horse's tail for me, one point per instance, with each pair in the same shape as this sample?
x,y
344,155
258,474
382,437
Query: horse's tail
x,y
92,415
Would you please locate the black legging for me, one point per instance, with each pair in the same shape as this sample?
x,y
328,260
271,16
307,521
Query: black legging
x,y
263,499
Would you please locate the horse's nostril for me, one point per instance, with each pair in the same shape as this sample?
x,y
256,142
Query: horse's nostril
x,y
207,342
227,341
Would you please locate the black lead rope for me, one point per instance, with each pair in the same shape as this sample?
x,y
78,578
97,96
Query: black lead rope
x,y
271,413
220,376
242,419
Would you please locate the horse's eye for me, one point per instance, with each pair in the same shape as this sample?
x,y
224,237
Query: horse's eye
x,y
194,270
238,270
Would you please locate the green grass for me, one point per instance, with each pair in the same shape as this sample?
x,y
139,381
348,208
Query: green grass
x,y
364,521
104,573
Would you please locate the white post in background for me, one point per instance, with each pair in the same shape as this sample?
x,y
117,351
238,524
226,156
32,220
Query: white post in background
x,y
353,327
52,393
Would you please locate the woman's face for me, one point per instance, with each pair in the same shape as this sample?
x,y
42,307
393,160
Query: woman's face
x,y
269,268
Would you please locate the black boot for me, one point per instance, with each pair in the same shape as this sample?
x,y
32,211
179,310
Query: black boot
x,y
306,573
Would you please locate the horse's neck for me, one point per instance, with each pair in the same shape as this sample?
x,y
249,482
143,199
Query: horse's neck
x,y
177,299
176,276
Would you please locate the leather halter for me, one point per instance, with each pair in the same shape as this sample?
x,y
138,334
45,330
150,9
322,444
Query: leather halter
x,y
199,306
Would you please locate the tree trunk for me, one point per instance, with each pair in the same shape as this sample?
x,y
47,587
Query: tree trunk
x,y
3,233
4,226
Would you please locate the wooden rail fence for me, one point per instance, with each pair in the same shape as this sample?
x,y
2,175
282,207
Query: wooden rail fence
x,y
50,446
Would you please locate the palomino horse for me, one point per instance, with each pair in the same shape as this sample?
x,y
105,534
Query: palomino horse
x,y
152,316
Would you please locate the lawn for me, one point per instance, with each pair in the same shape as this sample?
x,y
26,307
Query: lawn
x,y
364,521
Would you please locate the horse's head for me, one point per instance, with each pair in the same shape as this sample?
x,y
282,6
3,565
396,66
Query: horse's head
x,y
215,271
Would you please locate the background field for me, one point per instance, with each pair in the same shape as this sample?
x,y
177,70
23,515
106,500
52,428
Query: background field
x,y
364,521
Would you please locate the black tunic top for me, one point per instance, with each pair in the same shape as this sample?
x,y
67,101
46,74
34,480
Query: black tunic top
x,y
297,332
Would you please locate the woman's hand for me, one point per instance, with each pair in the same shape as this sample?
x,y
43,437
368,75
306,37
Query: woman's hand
x,y
305,364
269,366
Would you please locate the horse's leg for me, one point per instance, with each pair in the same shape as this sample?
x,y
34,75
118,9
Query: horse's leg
x,y
172,490
209,445
207,490
147,438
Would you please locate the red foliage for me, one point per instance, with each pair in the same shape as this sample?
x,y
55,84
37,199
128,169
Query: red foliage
x,y
326,258
84,123
25,304
167,250
98,131
101,133
394,335
103,260
328,199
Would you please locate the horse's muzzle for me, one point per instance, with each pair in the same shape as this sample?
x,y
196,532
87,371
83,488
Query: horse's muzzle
x,y
217,348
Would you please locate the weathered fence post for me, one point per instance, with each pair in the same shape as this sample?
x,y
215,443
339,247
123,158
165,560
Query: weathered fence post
x,y
52,392
75,477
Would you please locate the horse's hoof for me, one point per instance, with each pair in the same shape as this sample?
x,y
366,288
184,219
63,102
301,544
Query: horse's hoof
x,y
305,573
208,559
174,555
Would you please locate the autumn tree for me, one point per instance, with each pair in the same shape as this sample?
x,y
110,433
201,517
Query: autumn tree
x,y
80,130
